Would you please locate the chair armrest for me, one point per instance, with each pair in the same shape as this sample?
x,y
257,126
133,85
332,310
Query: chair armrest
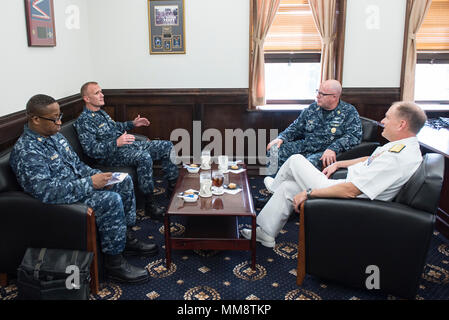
x,y
361,150
360,219
27,222
340,174
344,236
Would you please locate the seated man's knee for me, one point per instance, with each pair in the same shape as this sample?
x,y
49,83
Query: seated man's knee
x,y
297,157
128,182
112,200
145,159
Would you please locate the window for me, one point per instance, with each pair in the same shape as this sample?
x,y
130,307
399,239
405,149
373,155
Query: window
x,y
292,55
432,68
432,77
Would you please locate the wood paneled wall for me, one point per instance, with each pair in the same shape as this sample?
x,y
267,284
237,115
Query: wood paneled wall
x,y
170,109
11,126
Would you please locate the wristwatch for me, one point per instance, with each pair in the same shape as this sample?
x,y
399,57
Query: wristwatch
x,y
309,193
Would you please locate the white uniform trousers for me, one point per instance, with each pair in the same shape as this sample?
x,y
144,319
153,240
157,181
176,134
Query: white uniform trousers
x,y
296,174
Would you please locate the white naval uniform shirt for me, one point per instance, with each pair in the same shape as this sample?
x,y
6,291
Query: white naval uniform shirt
x,y
383,174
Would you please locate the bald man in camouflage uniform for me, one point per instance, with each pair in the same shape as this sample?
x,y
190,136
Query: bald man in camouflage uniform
x,y
327,127
48,169
108,142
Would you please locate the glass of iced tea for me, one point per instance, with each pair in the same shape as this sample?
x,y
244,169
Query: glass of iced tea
x,y
217,182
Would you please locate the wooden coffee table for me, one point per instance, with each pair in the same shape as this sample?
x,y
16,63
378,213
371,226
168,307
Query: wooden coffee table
x,y
211,223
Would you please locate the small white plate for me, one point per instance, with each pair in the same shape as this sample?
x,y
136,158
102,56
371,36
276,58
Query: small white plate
x,y
216,193
190,198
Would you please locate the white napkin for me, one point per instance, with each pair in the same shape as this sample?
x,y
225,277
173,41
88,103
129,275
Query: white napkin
x,y
233,191
234,163
237,170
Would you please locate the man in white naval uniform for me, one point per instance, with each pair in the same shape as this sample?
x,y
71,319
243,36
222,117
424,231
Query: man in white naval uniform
x,y
379,176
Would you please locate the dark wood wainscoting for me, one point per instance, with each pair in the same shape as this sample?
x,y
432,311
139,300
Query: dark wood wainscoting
x,y
371,103
221,109
11,126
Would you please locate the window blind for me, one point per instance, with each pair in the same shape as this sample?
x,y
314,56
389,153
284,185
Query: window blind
x,y
434,32
293,29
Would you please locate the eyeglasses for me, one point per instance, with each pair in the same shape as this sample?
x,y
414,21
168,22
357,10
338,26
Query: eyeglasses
x,y
322,94
53,120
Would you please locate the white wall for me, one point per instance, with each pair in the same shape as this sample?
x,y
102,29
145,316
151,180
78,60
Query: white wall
x,y
216,56
112,47
373,43
26,71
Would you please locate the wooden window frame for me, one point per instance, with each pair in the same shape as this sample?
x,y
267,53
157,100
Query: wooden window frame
x,y
433,58
294,57
301,57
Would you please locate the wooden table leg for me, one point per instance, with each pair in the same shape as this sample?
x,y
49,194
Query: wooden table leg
x,y
253,243
301,270
167,240
92,247
3,279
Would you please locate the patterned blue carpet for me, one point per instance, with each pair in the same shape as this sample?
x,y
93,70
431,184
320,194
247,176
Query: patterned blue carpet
x,y
226,275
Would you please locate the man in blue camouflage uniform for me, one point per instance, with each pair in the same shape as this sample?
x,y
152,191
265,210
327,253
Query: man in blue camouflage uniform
x,y
48,169
109,143
327,127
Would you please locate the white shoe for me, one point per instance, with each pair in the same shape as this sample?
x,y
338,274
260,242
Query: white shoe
x,y
261,236
268,182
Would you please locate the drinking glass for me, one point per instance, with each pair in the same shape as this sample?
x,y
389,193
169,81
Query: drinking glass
x,y
205,184
223,163
205,159
217,181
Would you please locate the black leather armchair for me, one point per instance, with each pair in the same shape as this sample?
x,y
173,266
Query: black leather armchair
x,y
340,238
27,222
367,146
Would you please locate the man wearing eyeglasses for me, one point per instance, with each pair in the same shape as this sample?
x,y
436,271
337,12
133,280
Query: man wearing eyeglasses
x,y
377,177
47,168
324,129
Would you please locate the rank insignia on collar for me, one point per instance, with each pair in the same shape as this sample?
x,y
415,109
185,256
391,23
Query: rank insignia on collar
x,y
39,139
397,148
101,125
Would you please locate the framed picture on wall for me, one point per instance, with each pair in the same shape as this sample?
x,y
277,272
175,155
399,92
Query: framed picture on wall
x,y
40,20
166,26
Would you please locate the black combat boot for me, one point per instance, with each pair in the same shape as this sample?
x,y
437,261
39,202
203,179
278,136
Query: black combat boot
x,y
118,269
138,248
152,210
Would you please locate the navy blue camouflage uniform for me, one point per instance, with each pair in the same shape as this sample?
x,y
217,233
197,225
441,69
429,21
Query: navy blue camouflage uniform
x,y
98,135
49,170
314,131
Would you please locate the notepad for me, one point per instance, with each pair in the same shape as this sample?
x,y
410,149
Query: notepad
x,y
116,178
